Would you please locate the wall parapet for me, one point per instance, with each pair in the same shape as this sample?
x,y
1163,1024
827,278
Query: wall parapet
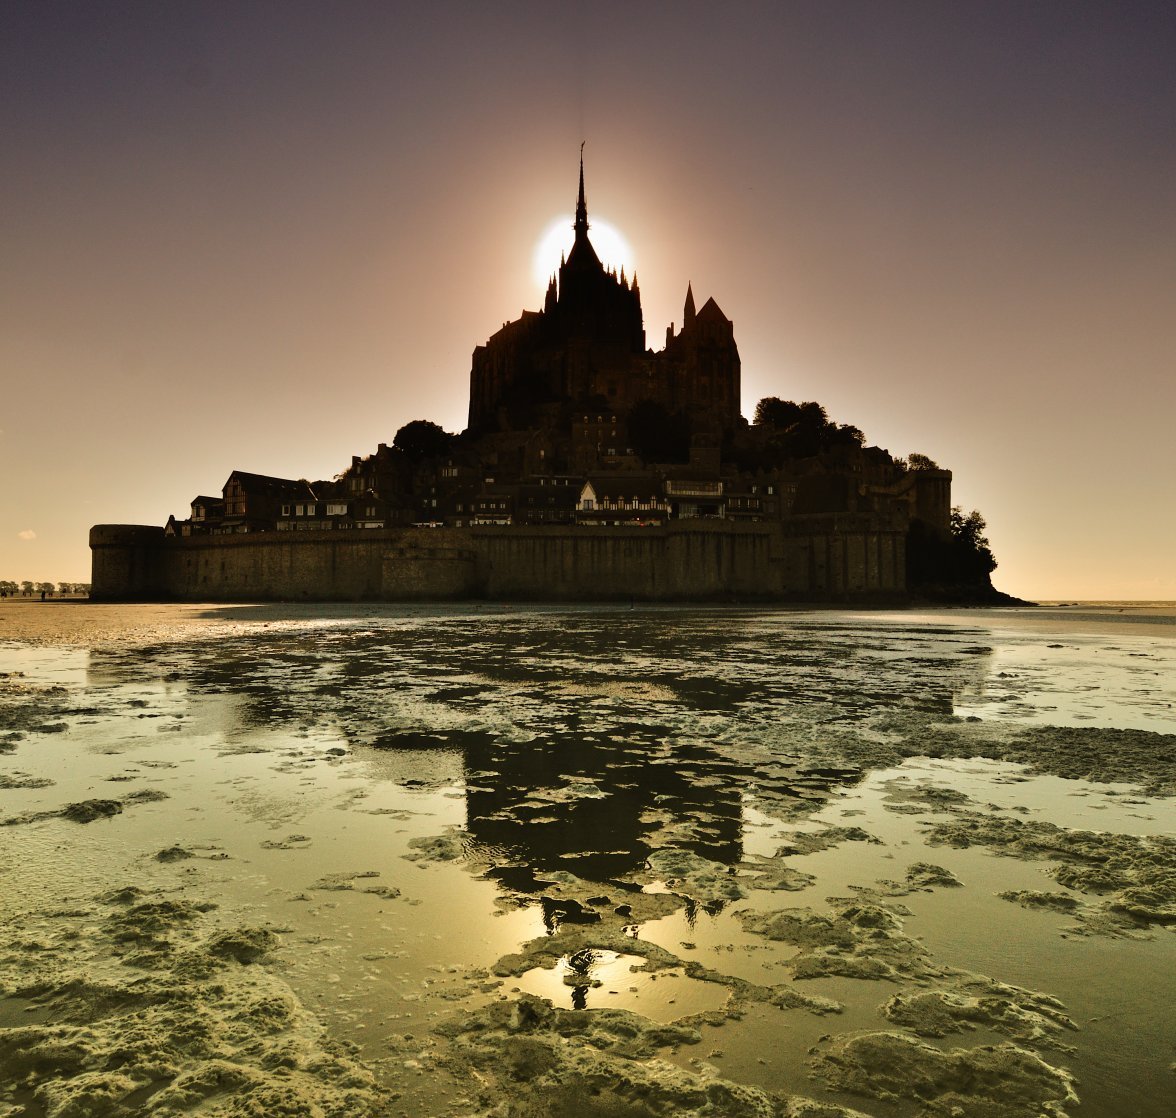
x,y
842,559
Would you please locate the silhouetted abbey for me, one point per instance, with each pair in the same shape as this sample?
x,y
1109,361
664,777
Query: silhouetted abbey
x,y
592,467
588,345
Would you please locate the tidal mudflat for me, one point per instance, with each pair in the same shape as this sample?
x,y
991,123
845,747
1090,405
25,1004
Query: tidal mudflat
x,y
594,861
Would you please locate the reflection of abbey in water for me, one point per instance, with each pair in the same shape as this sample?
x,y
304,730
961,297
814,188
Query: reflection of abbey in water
x,y
591,807
555,779
592,467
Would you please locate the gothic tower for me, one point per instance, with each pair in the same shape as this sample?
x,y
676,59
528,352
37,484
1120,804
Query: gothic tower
x,y
586,343
586,349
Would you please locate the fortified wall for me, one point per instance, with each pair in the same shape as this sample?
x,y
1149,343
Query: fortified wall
x,y
833,558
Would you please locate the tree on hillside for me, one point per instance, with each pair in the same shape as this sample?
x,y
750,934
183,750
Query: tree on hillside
x,y
422,439
971,544
771,411
800,430
916,462
956,567
846,434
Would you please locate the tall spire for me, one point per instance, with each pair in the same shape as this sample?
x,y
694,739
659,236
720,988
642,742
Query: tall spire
x,y
688,312
581,225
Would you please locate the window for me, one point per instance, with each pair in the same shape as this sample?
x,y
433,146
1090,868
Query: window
x,y
285,510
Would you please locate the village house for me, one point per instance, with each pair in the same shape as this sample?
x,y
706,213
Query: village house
x,y
622,500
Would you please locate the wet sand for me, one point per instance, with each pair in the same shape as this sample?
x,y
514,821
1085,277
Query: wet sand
x,y
509,861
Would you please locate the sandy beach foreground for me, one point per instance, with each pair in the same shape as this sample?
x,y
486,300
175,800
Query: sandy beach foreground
x,y
79,623
268,860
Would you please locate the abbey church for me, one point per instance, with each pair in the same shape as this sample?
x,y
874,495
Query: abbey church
x,y
587,345
593,467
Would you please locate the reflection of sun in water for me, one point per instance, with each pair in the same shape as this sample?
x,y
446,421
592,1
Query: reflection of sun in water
x,y
557,238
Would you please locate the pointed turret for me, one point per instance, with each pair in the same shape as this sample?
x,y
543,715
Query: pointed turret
x,y
581,224
688,311
582,256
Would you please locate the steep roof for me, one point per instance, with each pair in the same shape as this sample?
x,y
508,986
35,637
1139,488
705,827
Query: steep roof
x,y
620,485
711,313
272,486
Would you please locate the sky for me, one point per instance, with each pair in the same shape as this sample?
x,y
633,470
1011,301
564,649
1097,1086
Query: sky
x,y
264,236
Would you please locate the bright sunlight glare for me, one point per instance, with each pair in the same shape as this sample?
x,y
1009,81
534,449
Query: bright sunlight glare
x,y
609,242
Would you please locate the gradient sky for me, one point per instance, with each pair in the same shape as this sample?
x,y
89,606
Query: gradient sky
x,y
263,236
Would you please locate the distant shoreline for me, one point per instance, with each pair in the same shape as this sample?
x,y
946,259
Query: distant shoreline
x,y
86,624
1133,603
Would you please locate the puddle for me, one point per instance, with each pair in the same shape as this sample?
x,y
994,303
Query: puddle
x,y
594,979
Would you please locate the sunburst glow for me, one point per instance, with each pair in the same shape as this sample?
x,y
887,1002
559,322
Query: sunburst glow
x,y
610,244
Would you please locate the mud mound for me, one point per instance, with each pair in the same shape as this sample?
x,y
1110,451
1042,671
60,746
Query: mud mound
x,y
979,1003
534,1061
994,1081
155,1011
857,940
1089,753
1134,876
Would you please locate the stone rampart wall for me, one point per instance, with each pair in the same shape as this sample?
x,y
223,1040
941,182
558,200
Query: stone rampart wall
x,y
820,559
